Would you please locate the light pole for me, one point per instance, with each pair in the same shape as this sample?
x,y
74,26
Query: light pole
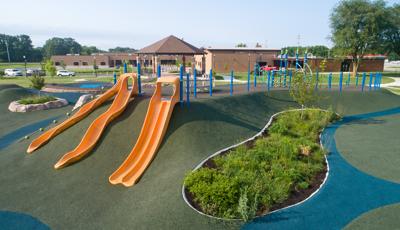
x,y
26,74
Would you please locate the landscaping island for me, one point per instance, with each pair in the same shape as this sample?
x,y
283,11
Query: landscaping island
x,y
282,166
34,103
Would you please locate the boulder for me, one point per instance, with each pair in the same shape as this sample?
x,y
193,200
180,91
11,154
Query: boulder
x,y
82,100
15,106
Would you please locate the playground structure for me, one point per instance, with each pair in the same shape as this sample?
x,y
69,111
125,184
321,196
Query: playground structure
x,y
150,138
160,109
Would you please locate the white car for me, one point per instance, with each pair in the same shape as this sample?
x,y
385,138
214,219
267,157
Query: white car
x,y
13,72
65,73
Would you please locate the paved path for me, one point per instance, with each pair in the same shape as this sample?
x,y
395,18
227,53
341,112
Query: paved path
x,y
396,83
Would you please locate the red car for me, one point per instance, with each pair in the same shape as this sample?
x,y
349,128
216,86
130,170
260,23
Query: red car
x,y
268,68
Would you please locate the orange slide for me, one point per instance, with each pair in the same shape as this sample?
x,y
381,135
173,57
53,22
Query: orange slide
x,y
78,116
153,130
97,127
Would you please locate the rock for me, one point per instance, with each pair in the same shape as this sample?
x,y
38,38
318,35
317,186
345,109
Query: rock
x,y
17,107
82,100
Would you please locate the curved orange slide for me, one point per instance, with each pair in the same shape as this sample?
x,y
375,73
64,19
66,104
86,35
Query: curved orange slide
x,y
78,116
97,127
154,127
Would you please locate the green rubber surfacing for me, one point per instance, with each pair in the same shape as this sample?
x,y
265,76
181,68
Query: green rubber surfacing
x,y
80,197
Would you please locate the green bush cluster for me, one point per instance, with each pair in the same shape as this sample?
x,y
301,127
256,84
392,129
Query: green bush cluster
x,y
251,180
36,99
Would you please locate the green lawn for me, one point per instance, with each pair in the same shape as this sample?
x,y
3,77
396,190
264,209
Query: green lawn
x,y
19,65
25,82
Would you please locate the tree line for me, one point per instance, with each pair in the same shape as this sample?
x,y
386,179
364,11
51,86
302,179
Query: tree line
x,y
19,48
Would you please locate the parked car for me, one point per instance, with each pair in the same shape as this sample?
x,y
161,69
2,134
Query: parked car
x,y
12,72
37,72
65,73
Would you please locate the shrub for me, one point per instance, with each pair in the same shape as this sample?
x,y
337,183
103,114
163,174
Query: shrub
x,y
247,180
36,100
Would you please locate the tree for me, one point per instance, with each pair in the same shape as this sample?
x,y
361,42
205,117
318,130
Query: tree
x,y
391,35
95,67
322,65
258,45
121,50
241,45
18,46
60,46
50,68
356,27
318,50
89,50
303,89
62,64
37,82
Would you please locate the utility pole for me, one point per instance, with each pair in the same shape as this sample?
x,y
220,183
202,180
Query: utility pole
x,y
8,52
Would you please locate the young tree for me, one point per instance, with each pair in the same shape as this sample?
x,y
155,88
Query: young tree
x,y
37,82
391,35
62,64
50,68
303,89
356,28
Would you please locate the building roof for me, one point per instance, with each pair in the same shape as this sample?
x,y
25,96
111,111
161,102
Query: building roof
x,y
170,45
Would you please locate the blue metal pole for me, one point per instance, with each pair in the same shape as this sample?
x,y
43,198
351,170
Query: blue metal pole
x,y
284,78
255,76
273,79
290,78
330,81
340,81
195,83
357,79
380,79
211,82
248,79
125,67
115,78
139,78
181,85
370,80
297,60
159,71
269,80
364,76
280,78
348,80
231,84
317,79
188,89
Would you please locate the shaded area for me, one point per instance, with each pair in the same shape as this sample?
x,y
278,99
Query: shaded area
x,y
386,217
23,131
14,220
347,193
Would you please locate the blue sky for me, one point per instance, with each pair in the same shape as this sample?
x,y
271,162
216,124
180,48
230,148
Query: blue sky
x,y
215,23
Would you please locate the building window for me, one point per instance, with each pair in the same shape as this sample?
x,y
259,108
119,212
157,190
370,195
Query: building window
x,y
102,63
76,63
84,63
57,63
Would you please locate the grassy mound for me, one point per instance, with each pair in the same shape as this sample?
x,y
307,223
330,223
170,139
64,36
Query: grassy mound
x,y
250,179
34,99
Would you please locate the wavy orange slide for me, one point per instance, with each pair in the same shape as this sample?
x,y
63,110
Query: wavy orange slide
x,y
84,111
151,135
97,127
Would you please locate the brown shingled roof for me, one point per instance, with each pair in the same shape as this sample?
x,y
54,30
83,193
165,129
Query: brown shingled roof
x,y
170,45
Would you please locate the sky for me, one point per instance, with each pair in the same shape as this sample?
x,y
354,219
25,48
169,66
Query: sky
x,y
203,23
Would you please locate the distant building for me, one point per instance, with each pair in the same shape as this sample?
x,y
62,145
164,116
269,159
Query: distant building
x,y
171,51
